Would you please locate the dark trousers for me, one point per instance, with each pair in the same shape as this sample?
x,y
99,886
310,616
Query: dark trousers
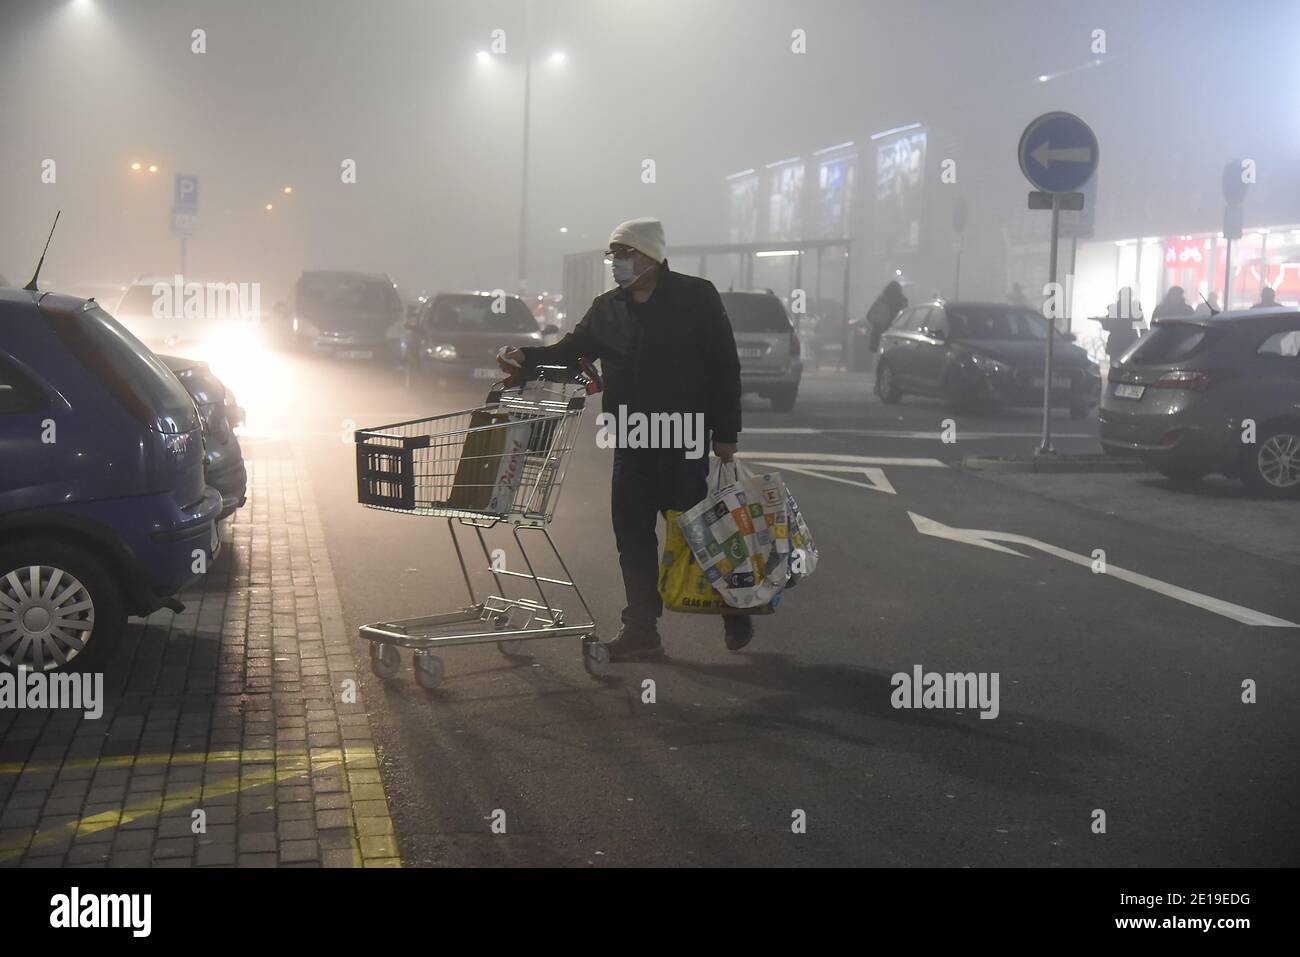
x,y
645,483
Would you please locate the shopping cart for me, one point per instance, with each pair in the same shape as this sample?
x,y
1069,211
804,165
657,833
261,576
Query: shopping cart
x,y
501,463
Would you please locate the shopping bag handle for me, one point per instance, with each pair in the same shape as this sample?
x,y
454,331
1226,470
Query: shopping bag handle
x,y
739,470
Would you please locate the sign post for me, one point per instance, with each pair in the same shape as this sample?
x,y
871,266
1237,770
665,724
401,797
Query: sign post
x,y
1058,154
959,216
185,211
1234,191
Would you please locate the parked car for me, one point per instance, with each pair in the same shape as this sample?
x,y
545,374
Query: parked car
x,y
459,334
348,315
171,314
982,354
768,346
104,511
1183,397
221,414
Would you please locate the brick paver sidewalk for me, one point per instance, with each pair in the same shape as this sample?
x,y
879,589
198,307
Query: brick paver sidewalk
x,y
245,707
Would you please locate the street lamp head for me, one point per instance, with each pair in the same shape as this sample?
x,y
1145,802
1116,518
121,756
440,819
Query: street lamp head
x,y
288,189
269,207
136,167
152,168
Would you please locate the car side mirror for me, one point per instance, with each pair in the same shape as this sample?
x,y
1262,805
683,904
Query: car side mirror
x,y
550,330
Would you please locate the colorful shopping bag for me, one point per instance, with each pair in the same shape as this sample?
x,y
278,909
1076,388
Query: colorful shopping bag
x,y
684,587
739,536
803,550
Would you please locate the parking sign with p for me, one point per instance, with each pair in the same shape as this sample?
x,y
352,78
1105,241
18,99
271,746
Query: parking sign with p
x,y
187,191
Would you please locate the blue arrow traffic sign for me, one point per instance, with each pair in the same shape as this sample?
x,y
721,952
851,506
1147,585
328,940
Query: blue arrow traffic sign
x,y
1058,152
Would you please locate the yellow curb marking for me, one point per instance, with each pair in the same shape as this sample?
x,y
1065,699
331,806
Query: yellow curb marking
x,y
326,759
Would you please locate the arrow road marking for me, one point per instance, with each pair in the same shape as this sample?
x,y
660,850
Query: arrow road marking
x,y
1044,155
986,539
876,480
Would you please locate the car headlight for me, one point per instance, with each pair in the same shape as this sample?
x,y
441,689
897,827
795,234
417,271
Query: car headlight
x,y
989,366
445,352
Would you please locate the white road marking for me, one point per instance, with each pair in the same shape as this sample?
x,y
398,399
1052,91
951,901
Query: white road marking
x,y
819,457
985,539
912,434
875,478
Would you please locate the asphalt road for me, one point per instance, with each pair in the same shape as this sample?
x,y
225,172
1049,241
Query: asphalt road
x,y
1117,692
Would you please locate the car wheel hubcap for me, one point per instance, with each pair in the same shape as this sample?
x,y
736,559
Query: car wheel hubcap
x,y
1279,461
46,617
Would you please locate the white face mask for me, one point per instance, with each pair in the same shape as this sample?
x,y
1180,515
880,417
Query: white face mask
x,y
624,271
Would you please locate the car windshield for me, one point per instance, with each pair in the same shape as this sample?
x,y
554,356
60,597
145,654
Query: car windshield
x,y
341,295
751,312
1171,342
475,314
995,322
127,368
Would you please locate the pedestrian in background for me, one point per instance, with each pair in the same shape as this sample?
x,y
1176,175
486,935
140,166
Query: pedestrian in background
x,y
1174,304
1267,299
1121,317
884,310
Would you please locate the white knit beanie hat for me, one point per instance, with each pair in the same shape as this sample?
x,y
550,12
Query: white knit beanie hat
x,y
645,234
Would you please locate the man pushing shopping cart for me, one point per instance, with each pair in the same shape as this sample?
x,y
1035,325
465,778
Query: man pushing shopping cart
x,y
667,355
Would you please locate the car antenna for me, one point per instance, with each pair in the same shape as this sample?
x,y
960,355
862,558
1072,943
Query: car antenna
x,y
1213,312
31,286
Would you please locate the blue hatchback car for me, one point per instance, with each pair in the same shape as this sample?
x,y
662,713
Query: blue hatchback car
x,y
104,511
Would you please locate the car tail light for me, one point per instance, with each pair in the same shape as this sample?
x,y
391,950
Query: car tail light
x,y
1191,380
794,345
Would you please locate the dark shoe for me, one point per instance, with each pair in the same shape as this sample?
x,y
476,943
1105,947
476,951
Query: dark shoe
x,y
635,645
739,629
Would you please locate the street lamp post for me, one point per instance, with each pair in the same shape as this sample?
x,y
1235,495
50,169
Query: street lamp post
x,y
523,187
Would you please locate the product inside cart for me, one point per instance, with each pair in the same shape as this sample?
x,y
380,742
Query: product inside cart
x,y
499,465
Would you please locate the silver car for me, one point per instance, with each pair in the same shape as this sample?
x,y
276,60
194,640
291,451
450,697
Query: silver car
x,y
1213,394
768,346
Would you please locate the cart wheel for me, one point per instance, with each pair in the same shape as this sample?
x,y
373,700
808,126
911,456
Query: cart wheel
x,y
385,660
510,646
500,621
428,669
595,658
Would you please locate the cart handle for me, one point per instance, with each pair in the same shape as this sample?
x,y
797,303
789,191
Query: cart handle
x,y
583,373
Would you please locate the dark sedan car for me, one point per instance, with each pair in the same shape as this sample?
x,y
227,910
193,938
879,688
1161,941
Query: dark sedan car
x,y
223,459
459,334
1201,395
347,315
982,353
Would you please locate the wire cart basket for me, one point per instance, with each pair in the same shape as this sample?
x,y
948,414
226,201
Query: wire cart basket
x,y
501,463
